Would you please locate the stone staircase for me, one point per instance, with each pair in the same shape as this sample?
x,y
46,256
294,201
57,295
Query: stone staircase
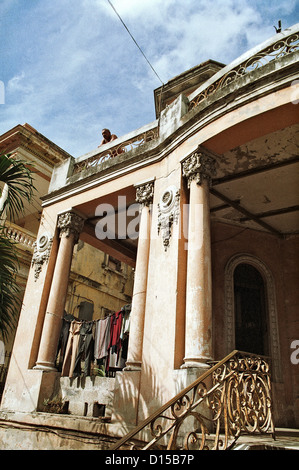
x,y
46,431
285,439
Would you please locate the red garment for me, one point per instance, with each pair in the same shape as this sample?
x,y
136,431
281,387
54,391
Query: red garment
x,y
115,330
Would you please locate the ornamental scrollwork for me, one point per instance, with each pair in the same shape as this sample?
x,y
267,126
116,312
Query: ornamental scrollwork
x,y
230,399
271,53
119,149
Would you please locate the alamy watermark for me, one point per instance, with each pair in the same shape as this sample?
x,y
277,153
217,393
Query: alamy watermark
x,y
295,354
123,222
120,223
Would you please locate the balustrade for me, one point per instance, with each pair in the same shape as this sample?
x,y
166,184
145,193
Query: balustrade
x,y
117,149
19,235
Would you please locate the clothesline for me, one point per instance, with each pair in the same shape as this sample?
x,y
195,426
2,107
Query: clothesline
x,y
102,341
74,318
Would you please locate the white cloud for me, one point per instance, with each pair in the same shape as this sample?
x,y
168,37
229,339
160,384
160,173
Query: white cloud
x,y
177,35
72,70
16,83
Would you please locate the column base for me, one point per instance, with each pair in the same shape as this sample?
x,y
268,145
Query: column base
x,y
197,363
183,378
131,366
126,399
45,366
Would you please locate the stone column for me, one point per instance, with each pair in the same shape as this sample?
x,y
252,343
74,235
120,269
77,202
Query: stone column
x,y
144,196
198,169
70,225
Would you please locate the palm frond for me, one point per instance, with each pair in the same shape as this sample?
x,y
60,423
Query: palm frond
x,y
19,179
9,288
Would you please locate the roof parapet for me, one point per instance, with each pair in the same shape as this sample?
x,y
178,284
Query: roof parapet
x,y
272,49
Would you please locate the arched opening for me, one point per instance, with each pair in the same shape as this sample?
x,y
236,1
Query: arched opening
x,y
251,329
268,315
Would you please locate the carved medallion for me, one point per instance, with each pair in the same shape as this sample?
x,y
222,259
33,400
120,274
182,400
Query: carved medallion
x,y
42,250
168,213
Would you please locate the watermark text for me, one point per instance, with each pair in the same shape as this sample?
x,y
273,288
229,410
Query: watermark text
x,y
295,353
124,222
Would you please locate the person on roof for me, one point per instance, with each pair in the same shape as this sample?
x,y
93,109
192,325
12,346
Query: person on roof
x,y
107,137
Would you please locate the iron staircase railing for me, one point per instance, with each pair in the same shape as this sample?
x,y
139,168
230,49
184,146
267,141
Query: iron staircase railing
x,y
231,398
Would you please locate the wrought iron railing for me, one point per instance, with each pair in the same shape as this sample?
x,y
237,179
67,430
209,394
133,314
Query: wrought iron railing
x,y
119,148
231,398
286,43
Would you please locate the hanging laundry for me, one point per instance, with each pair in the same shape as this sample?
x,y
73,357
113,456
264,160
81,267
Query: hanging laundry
x,y
125,328
102,338
63,339
104,341
85,351
124,335
71,349
115,340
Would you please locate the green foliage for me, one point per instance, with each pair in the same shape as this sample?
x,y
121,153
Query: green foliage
x,y
100,371
9,288
19,180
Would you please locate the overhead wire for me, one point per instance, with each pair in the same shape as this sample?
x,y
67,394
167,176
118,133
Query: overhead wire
x,y
155,72
132,37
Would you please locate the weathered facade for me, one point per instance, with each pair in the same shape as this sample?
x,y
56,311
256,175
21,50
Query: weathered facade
x,y
216,259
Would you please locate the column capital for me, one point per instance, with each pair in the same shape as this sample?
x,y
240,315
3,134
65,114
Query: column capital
x,y
199,166
145,193
70,223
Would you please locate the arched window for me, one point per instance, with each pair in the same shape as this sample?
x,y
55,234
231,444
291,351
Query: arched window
x,y
250,310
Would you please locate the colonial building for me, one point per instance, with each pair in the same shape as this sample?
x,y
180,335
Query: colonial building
x,y
216,256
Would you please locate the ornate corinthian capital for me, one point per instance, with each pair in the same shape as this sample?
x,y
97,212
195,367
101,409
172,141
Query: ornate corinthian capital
x,y
70,223
145,194
199,166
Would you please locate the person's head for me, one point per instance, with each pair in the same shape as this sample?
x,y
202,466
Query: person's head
x,y
106,134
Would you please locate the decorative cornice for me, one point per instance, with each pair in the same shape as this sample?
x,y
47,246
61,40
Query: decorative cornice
x,y
70,223
26,137
199,166
145,194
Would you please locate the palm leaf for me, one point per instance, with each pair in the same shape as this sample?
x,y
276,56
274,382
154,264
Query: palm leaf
x,y
19,180
9,288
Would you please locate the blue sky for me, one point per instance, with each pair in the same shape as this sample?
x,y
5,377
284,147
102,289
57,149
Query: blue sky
x,y
69,67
